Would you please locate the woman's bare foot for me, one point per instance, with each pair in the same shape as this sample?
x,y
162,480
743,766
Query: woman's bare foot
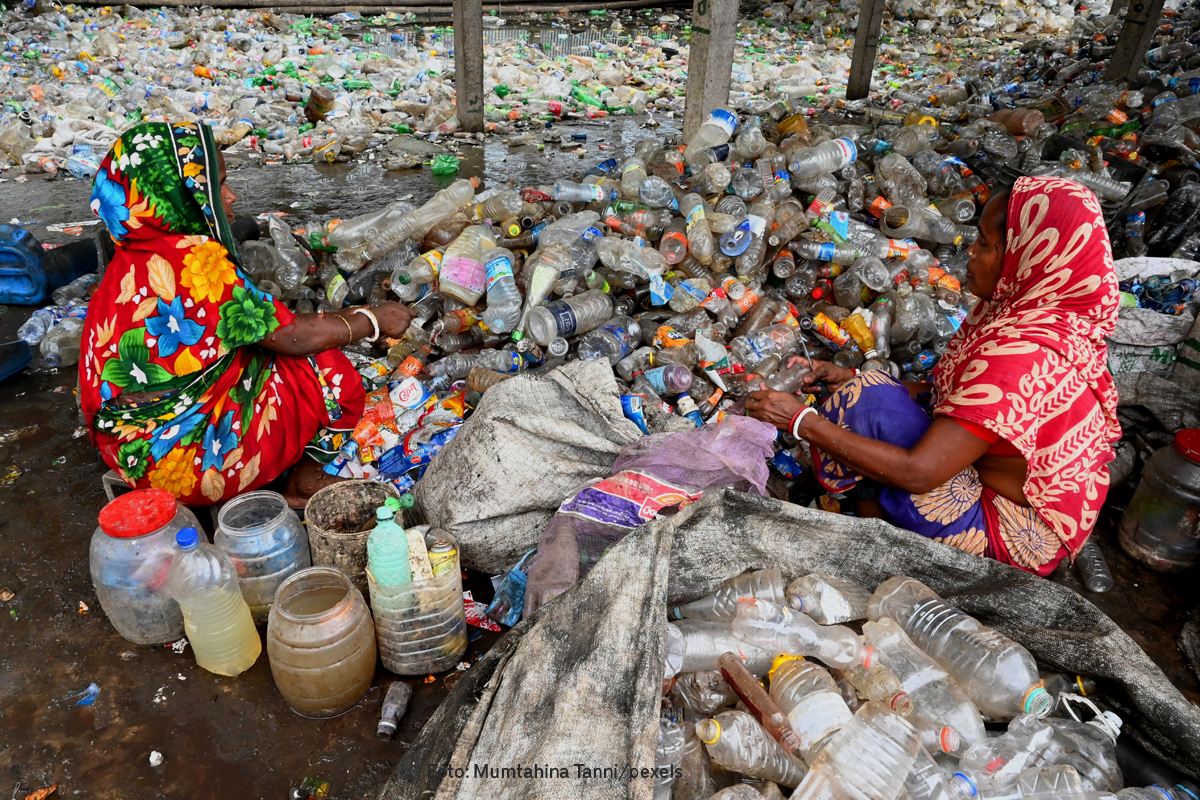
x,y
306,478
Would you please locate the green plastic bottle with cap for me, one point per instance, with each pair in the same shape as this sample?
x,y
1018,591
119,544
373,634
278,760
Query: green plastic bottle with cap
x,y
387,549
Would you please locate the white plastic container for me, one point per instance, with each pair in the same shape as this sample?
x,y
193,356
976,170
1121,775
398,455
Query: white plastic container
x,y
421,626
266,542
131,555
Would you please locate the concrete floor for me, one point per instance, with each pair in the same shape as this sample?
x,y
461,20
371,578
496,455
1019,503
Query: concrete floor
x,y
225,737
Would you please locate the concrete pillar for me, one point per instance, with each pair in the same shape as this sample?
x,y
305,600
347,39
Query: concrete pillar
x,y
468,63
866,42
1137,33
710,60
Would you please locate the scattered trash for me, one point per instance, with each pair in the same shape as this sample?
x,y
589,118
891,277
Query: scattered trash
x,y
6,595
156,758
312,789
178,646
42,794
477,614
83,607
395,704
89,695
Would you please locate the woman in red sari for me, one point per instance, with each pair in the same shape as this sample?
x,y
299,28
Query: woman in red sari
x,y
192,380
1013,463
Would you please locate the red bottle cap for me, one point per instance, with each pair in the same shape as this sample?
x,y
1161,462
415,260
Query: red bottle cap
x,y
1187,444
138,513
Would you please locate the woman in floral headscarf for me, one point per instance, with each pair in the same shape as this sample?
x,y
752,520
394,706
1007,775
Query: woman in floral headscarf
x,y
1013,464
192,380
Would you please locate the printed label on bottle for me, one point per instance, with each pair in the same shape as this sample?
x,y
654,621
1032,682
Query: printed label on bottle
x,y
825,252
696,292
621,335
830,331
336,284
756,224
782,176
695,216
667,337
564,318
591,233
840,222
897,249
926,359
496,269
631,406
409,393
849,151
660,291
633,167
723,119
956,318
555,107
818,716
466,272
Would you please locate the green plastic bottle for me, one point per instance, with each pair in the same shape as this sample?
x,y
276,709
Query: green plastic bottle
x,y
387,551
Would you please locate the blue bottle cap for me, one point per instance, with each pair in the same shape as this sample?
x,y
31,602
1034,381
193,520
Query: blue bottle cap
x,y
187,539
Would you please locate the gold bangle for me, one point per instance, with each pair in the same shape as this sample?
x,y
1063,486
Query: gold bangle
x,y
349,329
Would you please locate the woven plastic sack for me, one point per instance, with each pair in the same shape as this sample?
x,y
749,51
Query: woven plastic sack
x,y
580,682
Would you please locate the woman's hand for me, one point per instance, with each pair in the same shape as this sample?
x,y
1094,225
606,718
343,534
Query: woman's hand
x,y
774,408
833,375
394,318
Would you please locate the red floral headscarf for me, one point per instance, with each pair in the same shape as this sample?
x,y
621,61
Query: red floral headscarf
x,y
1031,363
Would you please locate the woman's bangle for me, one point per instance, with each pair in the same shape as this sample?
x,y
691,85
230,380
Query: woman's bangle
x,y
349,329
369,314
795,426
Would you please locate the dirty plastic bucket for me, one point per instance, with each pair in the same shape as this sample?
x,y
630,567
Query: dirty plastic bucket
x,y
340,518
421,626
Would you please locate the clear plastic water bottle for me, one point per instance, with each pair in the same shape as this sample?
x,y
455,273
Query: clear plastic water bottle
x,y
503,297
930,687
656,192
716,130
828,157
387,550
216,617
699,235
573,192
674,242
870,756
998,674
613,340
633,172
569,317
705,642
670,379
667,756
809,696
39,324
60,347
880,684
736,742
828,599
462,274
778,628
541,273
75,290
722,605
407,282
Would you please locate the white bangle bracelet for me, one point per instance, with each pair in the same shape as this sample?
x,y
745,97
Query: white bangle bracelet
x,y
796,422
369,314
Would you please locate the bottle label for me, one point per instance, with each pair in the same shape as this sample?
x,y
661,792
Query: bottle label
x,y
956,318
897,249
633,167
691,289
848,150
667,337
409,393
564,318
660,291
465,272
818,716
782,176
591,233
631,406
724,120
621,335
496,269
597,192
695,216
840,222
830,331
336,284
756,224
825,252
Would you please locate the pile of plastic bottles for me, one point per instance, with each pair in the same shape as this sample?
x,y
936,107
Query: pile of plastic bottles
x,y
896,711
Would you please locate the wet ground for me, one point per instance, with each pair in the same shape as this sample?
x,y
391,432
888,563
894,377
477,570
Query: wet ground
x,y
224,737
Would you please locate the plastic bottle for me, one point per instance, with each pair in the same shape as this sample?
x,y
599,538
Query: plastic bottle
x,y
369,236
837,252
462,275
828,599
998,674
503,297
34,329
613,340
880,684
716,130
778,628
388,557
541,274
704,643
216,618
722,604
1093,567
667,756
674,242
570,317
633,172
870,756
582,192
810,698
827,157
1158,527
395,703
760,704
60,347
499,207
739,744
929,686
